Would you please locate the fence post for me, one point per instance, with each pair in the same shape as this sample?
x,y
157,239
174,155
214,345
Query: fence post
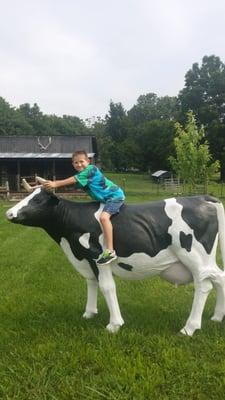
x,y
124,184
7,190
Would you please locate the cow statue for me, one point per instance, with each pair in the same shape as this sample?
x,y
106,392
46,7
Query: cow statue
x,y
174,238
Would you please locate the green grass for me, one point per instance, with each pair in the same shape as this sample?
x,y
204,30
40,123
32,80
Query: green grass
x,y
48,352
139,187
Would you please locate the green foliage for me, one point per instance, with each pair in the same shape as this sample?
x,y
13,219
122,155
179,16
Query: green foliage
x,y
204,94
105,144
116,122
11,121
29,120
204,91
193,161
155,139
215,134
141,142
150,107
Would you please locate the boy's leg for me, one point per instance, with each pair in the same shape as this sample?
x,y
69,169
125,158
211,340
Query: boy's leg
x,y
110,209
107,230
109,254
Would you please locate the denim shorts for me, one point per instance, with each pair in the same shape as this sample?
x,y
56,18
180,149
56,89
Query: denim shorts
x,y
113,207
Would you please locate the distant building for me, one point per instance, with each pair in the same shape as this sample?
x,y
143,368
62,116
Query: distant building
x,y
160,175
46,156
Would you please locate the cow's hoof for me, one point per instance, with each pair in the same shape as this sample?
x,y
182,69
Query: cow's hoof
x,y
89,314
113,328
217,317
183,332
182,335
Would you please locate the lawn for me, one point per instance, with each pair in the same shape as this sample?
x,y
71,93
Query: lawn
x,y
48,352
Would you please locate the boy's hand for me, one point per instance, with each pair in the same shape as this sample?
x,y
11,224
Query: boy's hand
x,y
49,185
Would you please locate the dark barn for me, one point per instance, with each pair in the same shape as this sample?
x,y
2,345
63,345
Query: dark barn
x,y
46,156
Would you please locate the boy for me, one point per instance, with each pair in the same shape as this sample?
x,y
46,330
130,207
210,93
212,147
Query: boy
x,y
90,178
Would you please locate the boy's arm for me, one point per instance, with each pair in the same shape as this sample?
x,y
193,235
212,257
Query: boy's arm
x,y
57,184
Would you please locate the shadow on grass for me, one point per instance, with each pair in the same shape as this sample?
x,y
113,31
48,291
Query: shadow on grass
x,y
67,319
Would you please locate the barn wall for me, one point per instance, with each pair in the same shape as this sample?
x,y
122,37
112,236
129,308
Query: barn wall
x,y
15,168
53,144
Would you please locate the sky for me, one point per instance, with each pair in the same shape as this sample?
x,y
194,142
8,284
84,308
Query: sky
x,y
73,57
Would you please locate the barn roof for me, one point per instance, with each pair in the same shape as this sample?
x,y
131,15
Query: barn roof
x,y
39,155
61,146
159,173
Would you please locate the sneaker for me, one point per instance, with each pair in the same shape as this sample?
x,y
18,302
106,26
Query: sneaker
x,y
106,257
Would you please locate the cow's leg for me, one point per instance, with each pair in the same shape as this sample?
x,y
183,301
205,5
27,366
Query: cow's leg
x,y
92,294
108,289
196,263
217,277
219,311
202,289
218,280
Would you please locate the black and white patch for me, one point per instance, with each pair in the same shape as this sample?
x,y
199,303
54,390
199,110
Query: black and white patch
x,y
186,241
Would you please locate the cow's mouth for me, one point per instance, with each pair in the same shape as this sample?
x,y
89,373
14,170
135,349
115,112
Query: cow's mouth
x,y
18,219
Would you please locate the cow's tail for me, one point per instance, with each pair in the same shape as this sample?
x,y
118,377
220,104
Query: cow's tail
x,y
221,223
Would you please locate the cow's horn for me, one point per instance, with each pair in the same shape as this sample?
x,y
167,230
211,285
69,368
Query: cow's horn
x,y
26,186
40,180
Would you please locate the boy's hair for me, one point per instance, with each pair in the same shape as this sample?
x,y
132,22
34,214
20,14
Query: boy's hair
x,y
79,153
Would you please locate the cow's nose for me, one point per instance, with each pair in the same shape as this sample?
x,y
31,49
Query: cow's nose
x,y
9,215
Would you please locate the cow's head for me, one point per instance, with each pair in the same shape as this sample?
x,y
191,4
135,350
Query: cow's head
x,y
35,210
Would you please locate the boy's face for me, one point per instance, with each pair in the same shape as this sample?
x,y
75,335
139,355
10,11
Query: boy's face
x,y
80,162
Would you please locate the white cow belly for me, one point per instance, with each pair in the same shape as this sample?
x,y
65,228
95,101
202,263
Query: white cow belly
x,y
144,266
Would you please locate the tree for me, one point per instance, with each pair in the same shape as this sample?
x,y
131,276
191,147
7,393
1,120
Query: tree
x,y
193,161
144,110
43,124
11,121
74,125
216,138
204,94
149,107
204,91
35,118
104,141
116,122
155,140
